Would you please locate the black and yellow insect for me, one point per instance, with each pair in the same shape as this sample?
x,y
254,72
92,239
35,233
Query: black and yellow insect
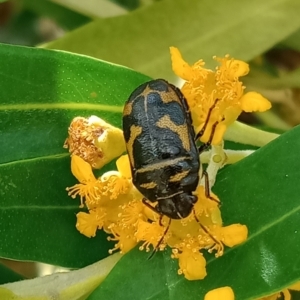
x,y
160,142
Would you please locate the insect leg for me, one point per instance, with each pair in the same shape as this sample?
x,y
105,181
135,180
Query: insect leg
x,y
207,188
160,220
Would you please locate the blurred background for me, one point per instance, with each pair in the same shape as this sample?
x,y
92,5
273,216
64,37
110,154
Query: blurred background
x,y
36,23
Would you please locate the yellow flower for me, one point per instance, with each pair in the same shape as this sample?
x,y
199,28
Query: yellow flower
x,y
216,98
207,207
94,140
233,235
117,207
150,234
82,170
226,293
191,261
284,294
89,186
132,213
295,286
123,166
111,142
114,184
124,237
223,293
93,191
88,223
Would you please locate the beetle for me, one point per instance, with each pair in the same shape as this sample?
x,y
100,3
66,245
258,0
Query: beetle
x,y
161,145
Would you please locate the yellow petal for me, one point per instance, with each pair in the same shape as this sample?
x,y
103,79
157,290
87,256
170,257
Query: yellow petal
x,y
215,215
234,234
286,294
180,67
87,224
231,114
123,166
124,236
192,265
219,133
81,169
295,286
150,233
223,293
127,242
110,142
253,101
275,296
240,67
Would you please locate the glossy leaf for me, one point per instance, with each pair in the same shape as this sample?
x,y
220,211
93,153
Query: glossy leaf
x,y
261,191
200,29
41,92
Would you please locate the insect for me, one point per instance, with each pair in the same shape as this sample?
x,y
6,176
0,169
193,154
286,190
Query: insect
x,y
160,141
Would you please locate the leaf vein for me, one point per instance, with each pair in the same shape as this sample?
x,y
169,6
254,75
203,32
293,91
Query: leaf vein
x,y
70,106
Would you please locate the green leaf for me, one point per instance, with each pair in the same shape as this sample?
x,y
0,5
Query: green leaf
x,y
293,41
261,79
41,92
260,191
94,9
128,4
200,29
8,275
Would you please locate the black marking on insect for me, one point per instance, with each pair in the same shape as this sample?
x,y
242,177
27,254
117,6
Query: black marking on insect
x,y
161,145
160,141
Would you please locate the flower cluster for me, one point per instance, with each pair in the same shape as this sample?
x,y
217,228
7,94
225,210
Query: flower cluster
x,y
115,205
217,98
227,293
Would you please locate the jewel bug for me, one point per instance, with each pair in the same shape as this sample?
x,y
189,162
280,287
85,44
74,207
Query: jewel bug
x,y
160,141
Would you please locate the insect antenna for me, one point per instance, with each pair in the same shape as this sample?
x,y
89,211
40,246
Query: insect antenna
x,y
203,147
201,132
204,228
162,238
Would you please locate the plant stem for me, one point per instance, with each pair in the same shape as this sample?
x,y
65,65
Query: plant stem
x,y
245,134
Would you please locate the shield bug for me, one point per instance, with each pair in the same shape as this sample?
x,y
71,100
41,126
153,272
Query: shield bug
x,y
160,141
